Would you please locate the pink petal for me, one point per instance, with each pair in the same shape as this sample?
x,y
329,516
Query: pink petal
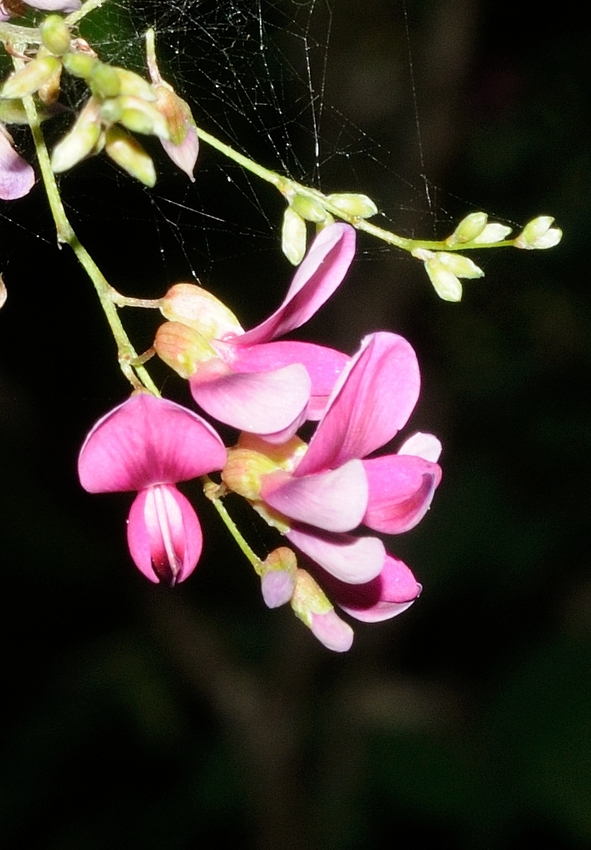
x,y
331,631
324,365
55,5
185,154
351,559
401,488
17,178
372,399
333,501
389,594
163,534
257,402
277,588
144,441
320,273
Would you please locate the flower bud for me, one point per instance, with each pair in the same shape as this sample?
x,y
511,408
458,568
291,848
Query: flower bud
x,y
50,90
353,204
293,236
309,208
199,309
279,577
130,156
183,145
469,228
134,85
29,79
444,269
311,606
182,348
141,117
459,265
81,141
55,35
538,233
80,64
493,232
104,80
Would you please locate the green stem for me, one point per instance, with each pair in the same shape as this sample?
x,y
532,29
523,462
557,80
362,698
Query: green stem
x,y
87,7
210,489
135,373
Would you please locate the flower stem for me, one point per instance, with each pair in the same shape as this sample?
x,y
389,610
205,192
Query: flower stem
x,y
213,491
136,374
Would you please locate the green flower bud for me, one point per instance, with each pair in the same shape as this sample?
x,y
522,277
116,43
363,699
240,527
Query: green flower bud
x,y
359,206
134,85
55,35
80,64
538,233
469,228
459,265
78,144
293,236
29,79
444,271
104,80
309,208
142,117
130,156
492,233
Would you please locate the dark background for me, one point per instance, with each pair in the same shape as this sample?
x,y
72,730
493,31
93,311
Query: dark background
x,y
135,716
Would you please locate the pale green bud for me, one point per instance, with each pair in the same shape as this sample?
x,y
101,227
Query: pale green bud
x,y
130,156
134,85
469,228
293,236
55,35
142,117
356,205
492,233
78,144
309,208
538,233
80,64
104,80
459,265
29,79
445,282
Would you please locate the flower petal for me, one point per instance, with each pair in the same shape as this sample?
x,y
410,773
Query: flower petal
x,y
258,402
401,488
17,178
144,441
372,399
333,501
331,631
163,534
320,273
422,445
351,559
389,594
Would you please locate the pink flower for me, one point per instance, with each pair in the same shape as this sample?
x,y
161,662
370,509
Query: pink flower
x,y
247,380
13,8
330,487
148,444
17,178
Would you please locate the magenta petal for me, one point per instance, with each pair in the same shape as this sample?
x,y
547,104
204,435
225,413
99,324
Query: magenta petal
x,y
257,402
350,559
163,534
17,178
371,401
401,488
386,596
335,500
320,273
144,441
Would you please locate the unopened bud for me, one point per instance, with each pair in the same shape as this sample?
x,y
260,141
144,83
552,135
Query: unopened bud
x,y
199,309
309,208
469,228
142,117
183,144
81,141
279,577
311,606
104,80
459,265
134,85
80,64
55,35
29,79
293,236
539,233
182,348
130,156
353,204
49,92
493,232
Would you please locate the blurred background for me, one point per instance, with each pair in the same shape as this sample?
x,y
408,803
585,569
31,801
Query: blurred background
x,y
138,716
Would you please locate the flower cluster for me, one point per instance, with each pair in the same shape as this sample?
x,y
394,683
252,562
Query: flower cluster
x,y
326,496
